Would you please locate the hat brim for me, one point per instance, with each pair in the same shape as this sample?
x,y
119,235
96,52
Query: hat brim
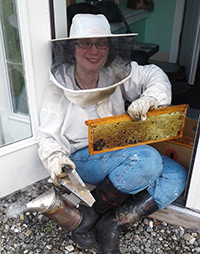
x,y
96,36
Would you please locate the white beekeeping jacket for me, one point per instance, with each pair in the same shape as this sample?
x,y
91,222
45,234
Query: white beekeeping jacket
x,y
66,107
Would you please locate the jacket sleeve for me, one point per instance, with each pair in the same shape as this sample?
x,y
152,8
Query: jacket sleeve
x,y
148,80
52,115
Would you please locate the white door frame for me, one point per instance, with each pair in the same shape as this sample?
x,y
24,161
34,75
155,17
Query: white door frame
x,y
176,30
60,18
190,45
20,163
193,197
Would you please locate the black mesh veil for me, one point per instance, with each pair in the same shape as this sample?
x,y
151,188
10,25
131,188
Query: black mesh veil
x,y
119,56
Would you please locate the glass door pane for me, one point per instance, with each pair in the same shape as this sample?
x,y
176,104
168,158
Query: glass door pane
x,y
14,113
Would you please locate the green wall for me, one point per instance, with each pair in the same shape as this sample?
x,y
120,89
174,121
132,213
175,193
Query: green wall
x,y
139,27
157,27
159,24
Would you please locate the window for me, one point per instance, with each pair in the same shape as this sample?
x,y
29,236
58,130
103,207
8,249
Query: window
x,y
14,113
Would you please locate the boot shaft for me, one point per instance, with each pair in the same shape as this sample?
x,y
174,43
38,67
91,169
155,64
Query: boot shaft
x,y
110,224
107,196
135,208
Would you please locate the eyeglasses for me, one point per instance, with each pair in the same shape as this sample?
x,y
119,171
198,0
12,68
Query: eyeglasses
x,y
85,44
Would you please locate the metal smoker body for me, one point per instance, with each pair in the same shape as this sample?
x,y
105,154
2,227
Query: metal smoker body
x,y
57,209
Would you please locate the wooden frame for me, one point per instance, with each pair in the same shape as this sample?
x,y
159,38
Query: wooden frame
x,y
117,132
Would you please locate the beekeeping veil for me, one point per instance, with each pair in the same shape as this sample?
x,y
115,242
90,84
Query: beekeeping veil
x,y
115,72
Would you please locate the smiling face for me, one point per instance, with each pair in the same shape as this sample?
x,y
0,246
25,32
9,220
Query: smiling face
x,y
91,59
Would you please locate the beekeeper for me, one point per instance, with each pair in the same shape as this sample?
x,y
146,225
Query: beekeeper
x,y
92,77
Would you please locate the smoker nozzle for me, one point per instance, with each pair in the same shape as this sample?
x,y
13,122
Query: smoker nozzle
x,y
44,202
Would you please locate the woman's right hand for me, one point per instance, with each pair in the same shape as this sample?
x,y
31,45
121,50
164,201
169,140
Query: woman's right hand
x,y
139,108
55,164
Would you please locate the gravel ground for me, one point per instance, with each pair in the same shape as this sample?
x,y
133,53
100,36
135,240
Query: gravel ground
x,y
31,233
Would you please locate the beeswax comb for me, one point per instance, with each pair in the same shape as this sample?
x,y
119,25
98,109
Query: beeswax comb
x,y
117,132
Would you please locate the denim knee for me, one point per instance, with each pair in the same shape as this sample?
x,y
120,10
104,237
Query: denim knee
x,y
142,167
170,184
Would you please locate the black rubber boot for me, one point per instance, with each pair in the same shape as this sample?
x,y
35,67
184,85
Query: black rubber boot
x,y
107,197
111,224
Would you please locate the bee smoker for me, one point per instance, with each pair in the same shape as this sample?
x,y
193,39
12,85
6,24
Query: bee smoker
x,y
57,208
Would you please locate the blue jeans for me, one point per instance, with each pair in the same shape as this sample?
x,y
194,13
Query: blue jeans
x,y
132,170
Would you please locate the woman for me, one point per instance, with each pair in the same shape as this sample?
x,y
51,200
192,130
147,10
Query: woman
x,y
92,78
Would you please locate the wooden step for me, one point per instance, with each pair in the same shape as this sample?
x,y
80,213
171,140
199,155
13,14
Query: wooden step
x,y
178,216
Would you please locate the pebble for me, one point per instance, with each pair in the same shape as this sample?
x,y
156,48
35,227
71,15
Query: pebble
x,y
197,250
151,224
34,233
69,248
